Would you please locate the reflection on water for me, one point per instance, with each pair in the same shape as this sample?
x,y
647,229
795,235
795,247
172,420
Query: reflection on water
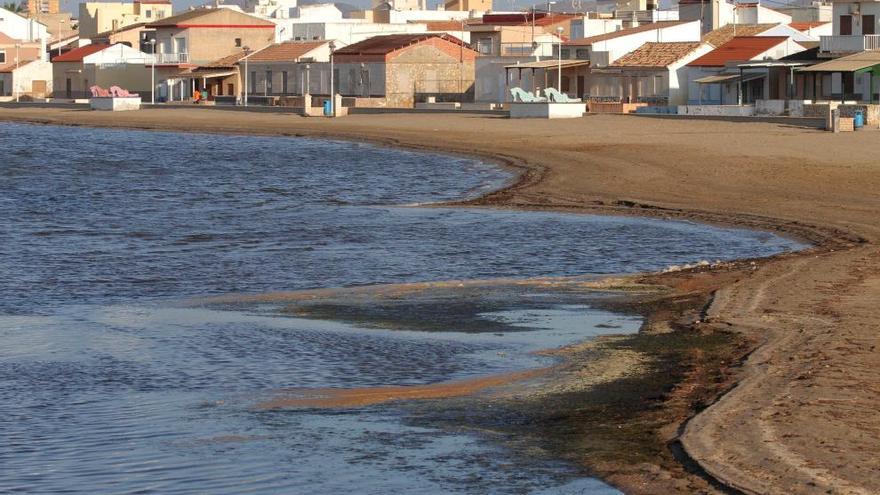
x,y
107,387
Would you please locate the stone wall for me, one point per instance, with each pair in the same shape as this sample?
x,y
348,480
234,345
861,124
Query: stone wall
x,y
612,107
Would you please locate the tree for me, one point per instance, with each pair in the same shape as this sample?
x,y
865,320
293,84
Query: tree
x,y
18,8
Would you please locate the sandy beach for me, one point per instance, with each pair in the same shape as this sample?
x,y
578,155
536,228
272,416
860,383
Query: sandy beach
x,y
801,417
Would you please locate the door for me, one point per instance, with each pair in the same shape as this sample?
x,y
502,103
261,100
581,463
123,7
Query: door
x,y
845,25
230,88
68,88
580,87
38,89
868,24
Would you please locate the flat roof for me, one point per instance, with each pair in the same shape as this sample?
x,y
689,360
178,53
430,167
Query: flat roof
x,y
726,77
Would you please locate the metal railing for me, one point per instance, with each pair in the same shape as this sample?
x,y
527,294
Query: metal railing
x,y
524,49
172,58
849,44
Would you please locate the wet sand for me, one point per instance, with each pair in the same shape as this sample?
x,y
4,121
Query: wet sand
x,y
799,412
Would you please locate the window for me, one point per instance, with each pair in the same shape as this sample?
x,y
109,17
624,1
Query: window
x,y
284,82
160,14
566,53
149,14
238,42
582,54
253,82
268,82
2,87
2,56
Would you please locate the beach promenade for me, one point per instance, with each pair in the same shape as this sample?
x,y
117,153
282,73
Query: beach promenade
x,y
803,416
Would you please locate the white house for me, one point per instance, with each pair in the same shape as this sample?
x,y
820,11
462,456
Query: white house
x,y
601,50
755,13
347,31
855,28
714,78
31,79
654,73
22,28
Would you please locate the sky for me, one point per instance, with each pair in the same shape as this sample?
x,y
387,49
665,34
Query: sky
x,y
72,6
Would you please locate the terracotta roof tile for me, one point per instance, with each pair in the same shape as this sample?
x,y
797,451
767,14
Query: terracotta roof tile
x,y
739,49
726,33
625,32
383,45
77,54
525,18
290,51
806,26
657,54
226,62
12,66
441,26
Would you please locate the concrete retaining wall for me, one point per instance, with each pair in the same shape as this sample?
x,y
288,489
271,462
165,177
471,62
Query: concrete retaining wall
x,y
547,110
717,110
115,104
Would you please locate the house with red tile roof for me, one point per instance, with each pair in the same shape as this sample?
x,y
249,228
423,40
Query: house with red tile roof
x,y
603,49
201,36
277,70
74,72
715,77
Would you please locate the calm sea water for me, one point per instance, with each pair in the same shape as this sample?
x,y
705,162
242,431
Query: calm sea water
x,y
109,385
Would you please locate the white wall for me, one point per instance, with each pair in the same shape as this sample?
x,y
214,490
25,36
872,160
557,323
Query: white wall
x,y
678,75
21,28
21,80
346,32
760,15
584,28
785,30
620,46
118,54
865,8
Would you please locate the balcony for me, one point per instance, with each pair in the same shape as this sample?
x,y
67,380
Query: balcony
x,y
493,48
172,58
849,44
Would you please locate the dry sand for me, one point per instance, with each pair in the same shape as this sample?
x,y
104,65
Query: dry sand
x,y
804,415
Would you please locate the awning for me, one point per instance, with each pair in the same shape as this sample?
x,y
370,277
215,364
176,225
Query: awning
x,y
725,78
549,64
850,63
210,74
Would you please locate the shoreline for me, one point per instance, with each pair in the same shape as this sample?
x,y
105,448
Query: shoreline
x,y
738,304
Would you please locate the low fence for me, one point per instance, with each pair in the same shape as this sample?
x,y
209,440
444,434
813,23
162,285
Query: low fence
x,y
613,107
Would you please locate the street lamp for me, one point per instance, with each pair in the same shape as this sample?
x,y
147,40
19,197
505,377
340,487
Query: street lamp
x,y
559,31
247,51
153,73
59,35
332,89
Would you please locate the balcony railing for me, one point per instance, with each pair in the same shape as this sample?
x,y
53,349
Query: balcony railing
x,y
525,49
172,58
849,44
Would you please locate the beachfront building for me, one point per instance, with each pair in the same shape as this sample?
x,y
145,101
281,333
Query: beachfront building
x,y
583,57
603,49
199,37
855,28
512,39
278,70
74,72
25,80
400,70
98,17
655,73
716,78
